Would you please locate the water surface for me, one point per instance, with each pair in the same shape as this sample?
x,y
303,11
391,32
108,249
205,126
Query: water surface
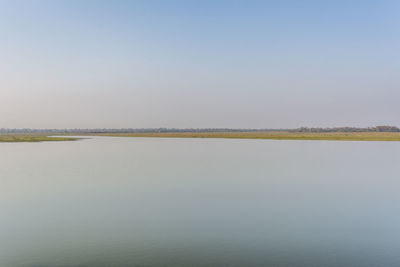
x,y
109,201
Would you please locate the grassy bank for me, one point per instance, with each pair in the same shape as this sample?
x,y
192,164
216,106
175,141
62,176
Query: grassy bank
x,y
33,138
363,136
274,135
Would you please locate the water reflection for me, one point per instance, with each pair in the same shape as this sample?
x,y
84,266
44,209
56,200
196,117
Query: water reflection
x,y
199,202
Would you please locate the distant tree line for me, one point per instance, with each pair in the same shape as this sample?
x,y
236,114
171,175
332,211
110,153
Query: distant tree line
x,y
197,130
133,130
347,129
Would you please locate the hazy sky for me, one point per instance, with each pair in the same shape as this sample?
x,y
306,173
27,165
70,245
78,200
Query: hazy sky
x,y
258,64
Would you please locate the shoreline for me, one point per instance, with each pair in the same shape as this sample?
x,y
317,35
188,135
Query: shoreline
x,y
336,136
333,136
33,138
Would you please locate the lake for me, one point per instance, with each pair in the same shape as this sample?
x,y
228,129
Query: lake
x,y
108,201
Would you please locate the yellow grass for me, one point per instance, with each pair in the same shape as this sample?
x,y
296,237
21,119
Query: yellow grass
x,y
32,138
363,136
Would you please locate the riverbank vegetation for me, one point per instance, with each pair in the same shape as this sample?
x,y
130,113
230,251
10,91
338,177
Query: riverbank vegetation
x,y
378,133
275,135
33,138
193,130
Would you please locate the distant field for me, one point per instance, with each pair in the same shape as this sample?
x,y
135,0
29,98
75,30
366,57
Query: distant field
x,y
33,138
339,136
363,136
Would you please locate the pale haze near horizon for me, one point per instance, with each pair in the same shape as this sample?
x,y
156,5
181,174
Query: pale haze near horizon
x,y
237,64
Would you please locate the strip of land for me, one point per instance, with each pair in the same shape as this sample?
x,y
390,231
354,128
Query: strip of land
x,y
275,135
33,138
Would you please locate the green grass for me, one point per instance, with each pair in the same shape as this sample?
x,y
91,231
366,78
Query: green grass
x,y
363,136
33,138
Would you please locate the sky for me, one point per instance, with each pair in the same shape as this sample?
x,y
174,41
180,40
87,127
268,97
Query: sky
x,y
199,64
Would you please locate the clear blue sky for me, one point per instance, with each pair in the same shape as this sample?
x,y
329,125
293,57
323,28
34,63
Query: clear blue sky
x,y
258,64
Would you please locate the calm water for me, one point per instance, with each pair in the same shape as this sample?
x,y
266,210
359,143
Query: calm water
x,y
199,202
